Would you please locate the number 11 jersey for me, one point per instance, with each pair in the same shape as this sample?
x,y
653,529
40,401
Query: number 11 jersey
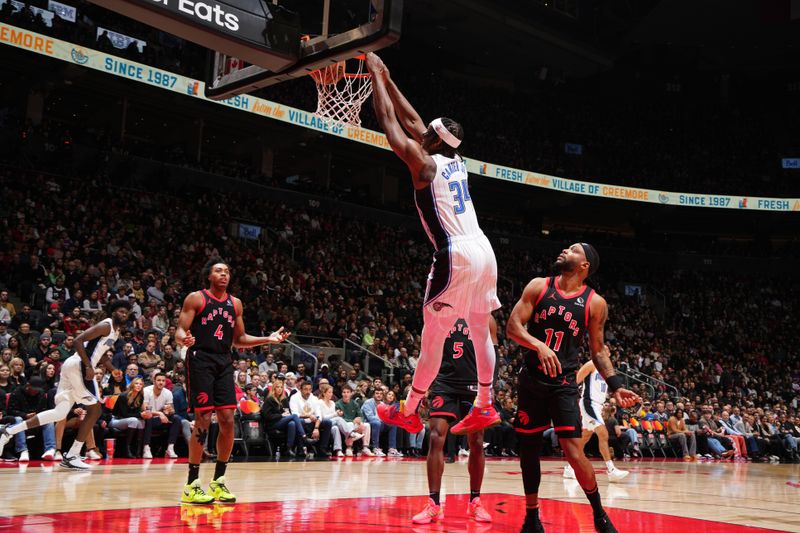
x,y
559,320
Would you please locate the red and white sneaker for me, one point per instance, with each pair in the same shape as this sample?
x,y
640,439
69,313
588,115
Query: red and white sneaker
x,y
476,511
393,415
476,420
431,513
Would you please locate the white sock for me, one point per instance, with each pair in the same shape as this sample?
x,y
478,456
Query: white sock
x,y
170,446
610,465
75,451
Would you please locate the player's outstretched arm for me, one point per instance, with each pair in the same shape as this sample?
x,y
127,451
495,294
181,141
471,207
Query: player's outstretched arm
x,y
408,116
98,330
410,151
601,355
243,340
516,330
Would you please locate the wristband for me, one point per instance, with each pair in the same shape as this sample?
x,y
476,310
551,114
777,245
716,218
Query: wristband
x,y
614,382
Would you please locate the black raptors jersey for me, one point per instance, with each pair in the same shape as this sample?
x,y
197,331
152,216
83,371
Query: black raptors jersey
x,y
458,373
559,320
213,326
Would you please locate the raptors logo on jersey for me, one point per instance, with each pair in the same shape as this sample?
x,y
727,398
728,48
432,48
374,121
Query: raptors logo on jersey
x,y
559,320
213,326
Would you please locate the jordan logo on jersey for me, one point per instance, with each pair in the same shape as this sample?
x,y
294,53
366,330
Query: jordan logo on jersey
x,y
552,310
215,313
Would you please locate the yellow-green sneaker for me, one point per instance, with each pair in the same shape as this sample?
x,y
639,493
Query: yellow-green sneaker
x,y
194,494
220,492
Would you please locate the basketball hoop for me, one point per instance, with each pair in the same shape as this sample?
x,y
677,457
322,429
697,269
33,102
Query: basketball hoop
x,y
340,94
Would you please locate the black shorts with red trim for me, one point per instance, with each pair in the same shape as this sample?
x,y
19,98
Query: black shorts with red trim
x,y
542,404
209,381
449,405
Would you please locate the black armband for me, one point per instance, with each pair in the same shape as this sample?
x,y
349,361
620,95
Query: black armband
x,y
614,382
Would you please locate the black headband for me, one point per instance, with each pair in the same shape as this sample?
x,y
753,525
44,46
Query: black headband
x,y
592,256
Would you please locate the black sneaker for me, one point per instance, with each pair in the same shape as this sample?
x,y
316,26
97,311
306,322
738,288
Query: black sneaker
x,y
603,524
532,525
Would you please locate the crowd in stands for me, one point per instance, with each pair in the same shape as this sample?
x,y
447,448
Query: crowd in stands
x,y
633,127
69,247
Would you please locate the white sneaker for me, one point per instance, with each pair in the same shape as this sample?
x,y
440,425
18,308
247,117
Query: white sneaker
x,y
49,455
569,473
463,453
338,453
93,455
171,452
57,456
73,463
146,453
394,453
367,452
355,435
617,475
24,457
377,452
348,452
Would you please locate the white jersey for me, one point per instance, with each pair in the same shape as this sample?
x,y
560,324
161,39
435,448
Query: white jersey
x,y
445,206
97,347
594,388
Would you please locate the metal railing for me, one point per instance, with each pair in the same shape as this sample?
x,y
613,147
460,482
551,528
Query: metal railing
x,y
387,364
651,379
628,378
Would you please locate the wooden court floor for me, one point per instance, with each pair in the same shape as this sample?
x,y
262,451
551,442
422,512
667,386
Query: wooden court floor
x,y
382,494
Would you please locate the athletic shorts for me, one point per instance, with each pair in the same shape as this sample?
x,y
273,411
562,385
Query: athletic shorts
x,y
450,406
463,277
590,415
209,381
72,387
542,404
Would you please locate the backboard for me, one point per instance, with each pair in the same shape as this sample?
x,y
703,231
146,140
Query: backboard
x,y
334,30
257,31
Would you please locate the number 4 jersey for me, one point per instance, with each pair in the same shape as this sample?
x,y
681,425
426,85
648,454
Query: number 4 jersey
x,y
559,320
213,326
463,277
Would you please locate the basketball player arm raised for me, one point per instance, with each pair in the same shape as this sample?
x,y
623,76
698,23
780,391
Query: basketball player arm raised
x,y
601,356
408,116
421,165
94,332
517,331
243,340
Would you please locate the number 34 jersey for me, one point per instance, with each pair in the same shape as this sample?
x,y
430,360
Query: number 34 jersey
x,y
213,326
463,277
560,321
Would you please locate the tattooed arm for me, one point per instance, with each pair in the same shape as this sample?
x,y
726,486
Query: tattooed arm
x,y
601,356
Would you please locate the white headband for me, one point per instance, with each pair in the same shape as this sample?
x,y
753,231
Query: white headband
x,y
444,134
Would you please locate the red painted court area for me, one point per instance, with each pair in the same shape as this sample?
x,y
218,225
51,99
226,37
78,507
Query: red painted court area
x,y
350,515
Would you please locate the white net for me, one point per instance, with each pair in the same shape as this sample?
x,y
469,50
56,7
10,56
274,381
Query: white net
x,y
340,93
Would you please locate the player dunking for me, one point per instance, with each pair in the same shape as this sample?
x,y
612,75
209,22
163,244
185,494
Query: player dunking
x,y
77,384
463,278
593,395
452,395
550,320
209,325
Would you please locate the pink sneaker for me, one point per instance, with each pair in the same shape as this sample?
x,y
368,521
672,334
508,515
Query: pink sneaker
x,y
431,513
393,415
476,420
476,511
